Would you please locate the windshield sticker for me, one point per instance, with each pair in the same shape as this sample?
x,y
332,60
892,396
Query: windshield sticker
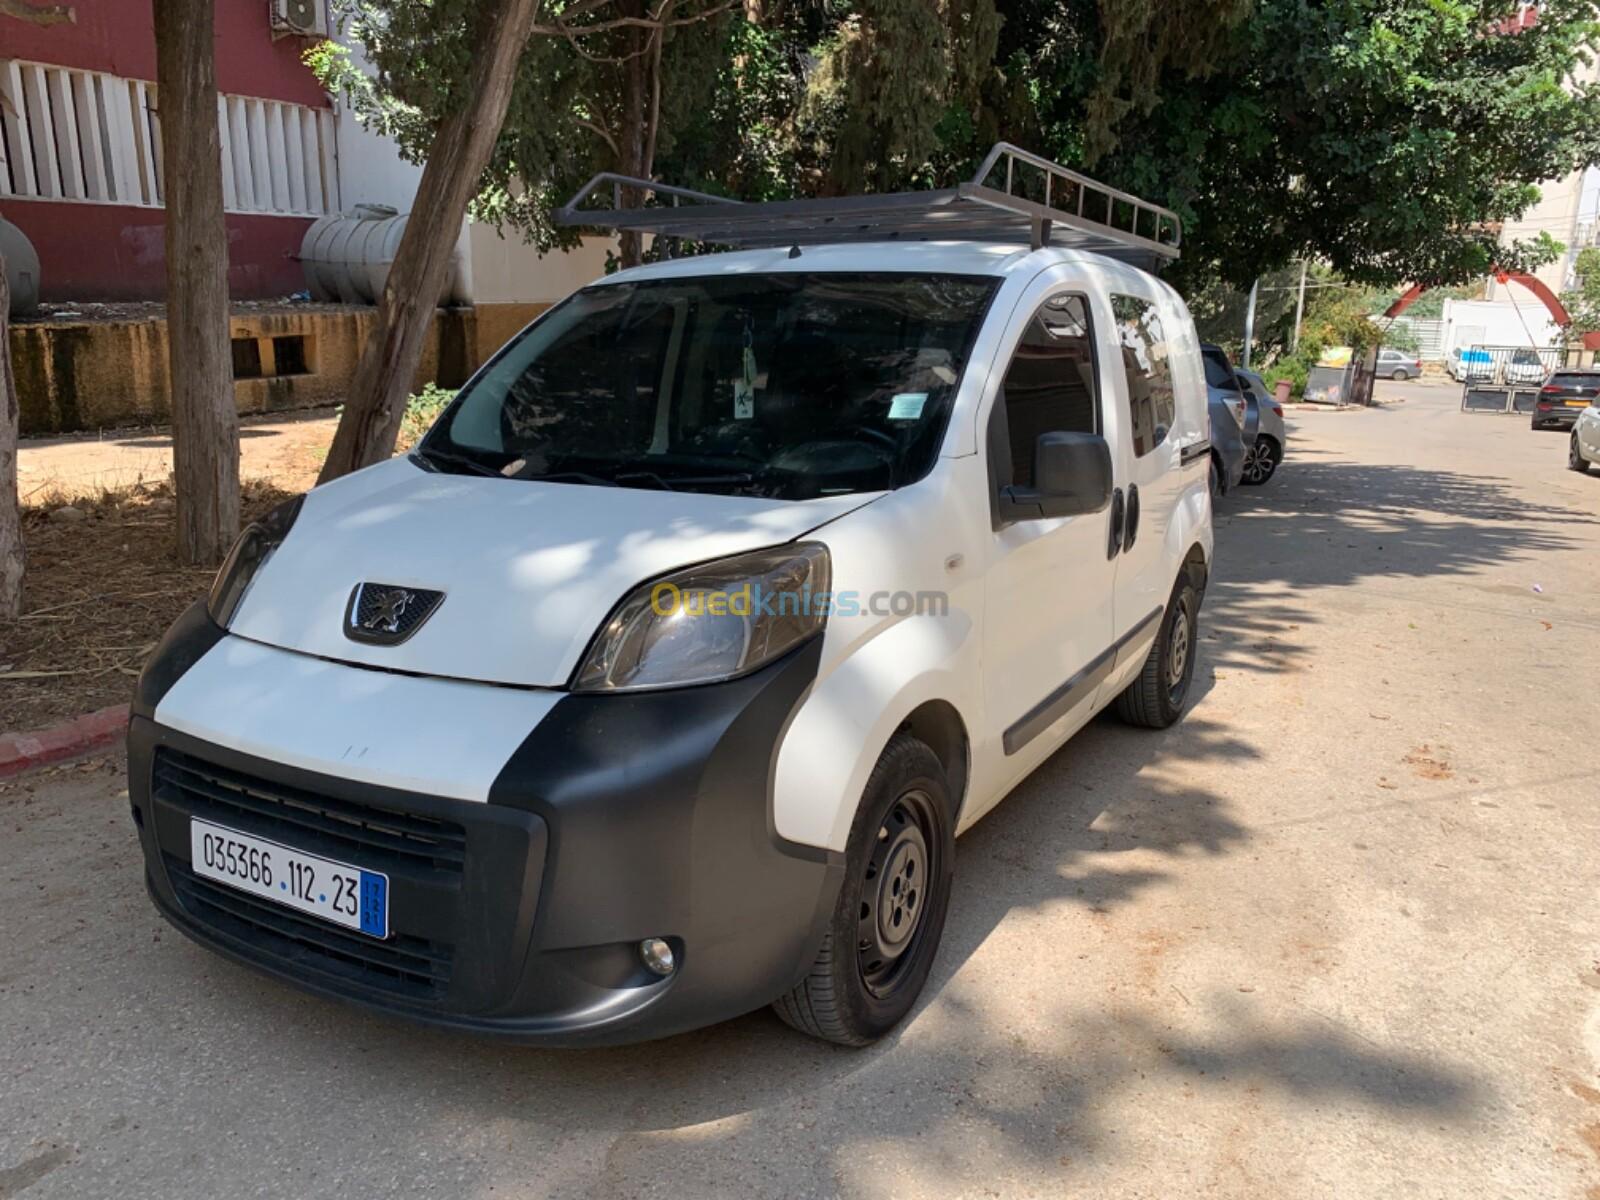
x,y
907,406
744,390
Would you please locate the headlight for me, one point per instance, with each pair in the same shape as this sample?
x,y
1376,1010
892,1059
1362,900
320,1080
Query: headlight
x,y
712,622
249,553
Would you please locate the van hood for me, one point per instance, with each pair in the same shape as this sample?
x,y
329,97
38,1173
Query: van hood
x,y
529,570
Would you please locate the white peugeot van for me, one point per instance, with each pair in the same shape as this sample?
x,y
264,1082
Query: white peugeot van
x,y
655,685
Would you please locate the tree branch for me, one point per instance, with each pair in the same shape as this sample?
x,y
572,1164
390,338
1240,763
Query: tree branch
x,y
562,29
39,14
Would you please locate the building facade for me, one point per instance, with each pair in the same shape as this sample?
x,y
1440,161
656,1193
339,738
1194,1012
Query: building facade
x,y
82,172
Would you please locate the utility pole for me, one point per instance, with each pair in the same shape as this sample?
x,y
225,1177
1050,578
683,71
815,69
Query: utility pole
x,y
1250,323
1299,309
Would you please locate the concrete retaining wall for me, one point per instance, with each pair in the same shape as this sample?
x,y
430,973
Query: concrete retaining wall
x,y
82,375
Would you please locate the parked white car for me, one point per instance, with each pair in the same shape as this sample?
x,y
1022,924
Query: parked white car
x,y
656,683
1470,366
1584,450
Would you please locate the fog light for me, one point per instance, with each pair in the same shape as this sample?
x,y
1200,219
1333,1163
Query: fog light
x,y
657,955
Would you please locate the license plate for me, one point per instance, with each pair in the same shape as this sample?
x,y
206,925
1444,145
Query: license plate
x,y
1576,403
309,883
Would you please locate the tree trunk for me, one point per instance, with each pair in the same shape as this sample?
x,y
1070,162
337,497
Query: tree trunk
x,y
205,422
461,150
11,553
631,135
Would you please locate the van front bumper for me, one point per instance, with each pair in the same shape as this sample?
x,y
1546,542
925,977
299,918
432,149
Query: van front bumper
x,y
617,819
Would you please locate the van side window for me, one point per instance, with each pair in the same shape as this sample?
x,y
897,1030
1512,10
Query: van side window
x,y
1148,364
1049,386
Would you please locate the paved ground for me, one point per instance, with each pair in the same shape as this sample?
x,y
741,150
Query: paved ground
x,y
1336,936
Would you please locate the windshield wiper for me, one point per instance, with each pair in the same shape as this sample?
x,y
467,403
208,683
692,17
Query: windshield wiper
x,y
449,458
570,477
678,481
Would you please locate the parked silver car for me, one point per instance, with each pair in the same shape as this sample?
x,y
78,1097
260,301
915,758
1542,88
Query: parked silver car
x,y
1261,459
1233,420
1399,366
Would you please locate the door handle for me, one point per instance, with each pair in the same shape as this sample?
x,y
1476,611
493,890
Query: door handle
x,y
1118,516
1132,531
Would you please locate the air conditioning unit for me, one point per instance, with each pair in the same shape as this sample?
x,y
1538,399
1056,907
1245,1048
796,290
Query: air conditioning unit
x,y
299,17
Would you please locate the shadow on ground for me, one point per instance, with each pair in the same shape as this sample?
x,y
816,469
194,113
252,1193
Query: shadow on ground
x,y
1363,523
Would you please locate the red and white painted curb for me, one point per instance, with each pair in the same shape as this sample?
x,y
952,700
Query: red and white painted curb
x,y
21,752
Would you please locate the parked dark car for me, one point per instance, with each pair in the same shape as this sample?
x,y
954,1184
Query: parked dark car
x,y
1564,395
1234,420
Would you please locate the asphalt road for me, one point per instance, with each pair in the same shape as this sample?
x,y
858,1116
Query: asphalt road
x,y
1337,935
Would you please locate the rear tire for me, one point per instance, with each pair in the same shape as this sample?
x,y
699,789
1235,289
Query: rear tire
x,y
1575,459
1261,461
1400,376
1217,490
1156,698
881,942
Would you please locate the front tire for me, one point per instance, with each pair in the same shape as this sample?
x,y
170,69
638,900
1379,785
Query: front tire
x,y
1261,461
881,942
1575,459
1156,698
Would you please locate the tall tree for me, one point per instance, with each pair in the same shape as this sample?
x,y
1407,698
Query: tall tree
x,y
12,554
601,87
1389,138
205,421
459,151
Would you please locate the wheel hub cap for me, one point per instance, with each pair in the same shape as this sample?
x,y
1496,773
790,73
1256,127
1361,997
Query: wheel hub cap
x,y
1178,657
895,895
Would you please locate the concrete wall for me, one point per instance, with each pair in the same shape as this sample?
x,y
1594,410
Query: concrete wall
x,y
1499,323
85,375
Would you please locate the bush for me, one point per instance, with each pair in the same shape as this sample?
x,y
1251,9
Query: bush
x,y
422,410
1295,367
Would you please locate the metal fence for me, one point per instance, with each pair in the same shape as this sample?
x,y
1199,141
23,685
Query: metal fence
x,y
1507,379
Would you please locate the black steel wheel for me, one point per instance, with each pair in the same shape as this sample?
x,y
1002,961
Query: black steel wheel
x,y
890,914
1155,699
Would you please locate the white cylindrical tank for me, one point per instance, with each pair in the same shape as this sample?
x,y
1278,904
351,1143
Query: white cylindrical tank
x,y
347,258
22,268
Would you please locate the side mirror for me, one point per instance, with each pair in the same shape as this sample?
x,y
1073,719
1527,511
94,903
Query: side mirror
x,y
1071,475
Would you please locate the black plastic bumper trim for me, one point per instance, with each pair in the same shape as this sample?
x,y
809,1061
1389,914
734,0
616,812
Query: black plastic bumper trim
x,y
1073,692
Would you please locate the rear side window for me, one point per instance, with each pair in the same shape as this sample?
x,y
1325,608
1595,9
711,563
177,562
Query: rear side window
x,y
1218,373
1147,363
1050,384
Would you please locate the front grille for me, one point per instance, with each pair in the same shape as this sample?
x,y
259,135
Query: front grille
x,y
376,837
415,850
408,966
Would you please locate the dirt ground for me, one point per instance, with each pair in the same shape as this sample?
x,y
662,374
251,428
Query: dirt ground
x,y
103,580
1334,935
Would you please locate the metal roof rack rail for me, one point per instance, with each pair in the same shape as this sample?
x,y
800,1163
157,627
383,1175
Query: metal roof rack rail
x,y
1013,197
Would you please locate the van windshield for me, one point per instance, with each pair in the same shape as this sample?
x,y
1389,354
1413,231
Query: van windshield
x,y
781,385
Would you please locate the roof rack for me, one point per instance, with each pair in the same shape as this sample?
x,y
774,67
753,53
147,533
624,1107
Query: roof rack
x,y
1013,197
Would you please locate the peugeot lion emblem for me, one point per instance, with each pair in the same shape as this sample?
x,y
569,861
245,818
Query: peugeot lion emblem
x,y
386,614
